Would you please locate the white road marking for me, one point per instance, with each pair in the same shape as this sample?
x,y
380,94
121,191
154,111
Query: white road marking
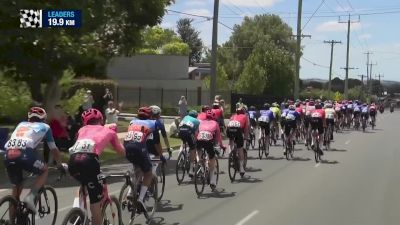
x,y
316,165
247,218
347,142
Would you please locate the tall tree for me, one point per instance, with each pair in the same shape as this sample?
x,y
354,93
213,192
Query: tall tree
x,y
259,56
191,37
39,56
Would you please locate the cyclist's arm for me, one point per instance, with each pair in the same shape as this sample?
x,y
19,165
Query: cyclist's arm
x,y
218,136
247,128
164,134
117,146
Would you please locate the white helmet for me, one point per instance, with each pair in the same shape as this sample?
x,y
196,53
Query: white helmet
x,y
155,110
328,105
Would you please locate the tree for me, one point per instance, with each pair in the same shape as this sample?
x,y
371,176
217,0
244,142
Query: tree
x,y
40,56
259,56
157,40
222,79
191,37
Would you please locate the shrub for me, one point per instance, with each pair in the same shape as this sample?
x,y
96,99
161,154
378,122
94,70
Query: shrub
x,y
72,104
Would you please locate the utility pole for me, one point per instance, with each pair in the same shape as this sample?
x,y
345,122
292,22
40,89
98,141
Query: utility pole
x,y
380,85
346,82
368,75
213,80
332,42
297,77
362,83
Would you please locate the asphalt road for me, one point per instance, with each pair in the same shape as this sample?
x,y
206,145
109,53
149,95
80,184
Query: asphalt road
x,y
358,183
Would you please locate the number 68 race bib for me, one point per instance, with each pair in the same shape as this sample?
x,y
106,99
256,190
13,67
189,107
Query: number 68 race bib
x,y
83,146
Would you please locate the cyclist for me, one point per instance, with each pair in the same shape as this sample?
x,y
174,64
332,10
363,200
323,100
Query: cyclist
x,y
140,131
339,114
331,116
318,123
356,112
219,115
307,119
277,115
364,112
265,120
238,126
154,144
253,115
202,115
372,112
188,129
290,117
209,134
20,154
84,164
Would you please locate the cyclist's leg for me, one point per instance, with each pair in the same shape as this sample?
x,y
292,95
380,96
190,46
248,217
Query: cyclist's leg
x,y
240,144
192,152
209,146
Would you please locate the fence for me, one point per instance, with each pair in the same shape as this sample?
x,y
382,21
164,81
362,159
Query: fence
x,y
136,97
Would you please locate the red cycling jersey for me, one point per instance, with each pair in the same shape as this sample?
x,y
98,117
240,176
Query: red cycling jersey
x,y
217,113
320,113
202,116
241,118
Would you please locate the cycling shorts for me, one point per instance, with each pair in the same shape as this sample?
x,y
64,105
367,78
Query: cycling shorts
x,y
85,168
253,122
187,136
289,126
307,121
266,127
317,124
236,134
138,155
372,113
356,113
220,122
331,122
17,160
364,115
208,146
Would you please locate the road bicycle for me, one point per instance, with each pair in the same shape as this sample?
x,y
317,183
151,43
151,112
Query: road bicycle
x,y
182,164
234,162
202,174
16,211
327,136
252,140
129,195
289,148
110,207
316,148
364,123
263,144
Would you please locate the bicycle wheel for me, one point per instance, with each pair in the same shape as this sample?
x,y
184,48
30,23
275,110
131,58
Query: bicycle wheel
x,y
317,153
244,160
47,205
291,149
200,179
151,200
127,199
180,167
260,148
6,204
217,170
111,212
76,217
160,181
232,169
253,141
266,152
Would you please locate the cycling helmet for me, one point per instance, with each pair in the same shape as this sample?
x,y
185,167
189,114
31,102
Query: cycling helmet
x,y
252,108
193,113
298,104
311,103
365,104
240,110
144,113
204,108
286,105
275,104
210,114
328,105
37,112
292,107
267,106
155,110
318,106
91,114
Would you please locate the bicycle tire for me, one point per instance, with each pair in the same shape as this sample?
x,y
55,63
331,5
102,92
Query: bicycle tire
x,y
153,191
244,160
180,167
128,204
76,215
8,201
232,165
105,220
253,141
44,191
267,145
161,177
287,155
200,180
217,168
260,148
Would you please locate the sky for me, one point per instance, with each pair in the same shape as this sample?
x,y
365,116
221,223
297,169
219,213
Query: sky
x,y
374,30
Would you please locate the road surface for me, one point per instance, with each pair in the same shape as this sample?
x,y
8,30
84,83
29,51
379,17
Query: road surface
x,y
357,184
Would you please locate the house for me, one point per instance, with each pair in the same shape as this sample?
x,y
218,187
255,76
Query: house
x,y
199,71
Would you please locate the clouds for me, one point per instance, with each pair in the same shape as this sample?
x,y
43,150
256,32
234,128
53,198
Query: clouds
x,y
335,26
252,3
365,36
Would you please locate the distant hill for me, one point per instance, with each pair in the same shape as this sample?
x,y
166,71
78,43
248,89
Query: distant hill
x,y
385,83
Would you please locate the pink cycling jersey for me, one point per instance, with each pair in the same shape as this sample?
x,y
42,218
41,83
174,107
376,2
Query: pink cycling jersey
x,y
94,139
210,126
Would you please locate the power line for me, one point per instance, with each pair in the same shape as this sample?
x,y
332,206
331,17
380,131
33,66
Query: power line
x,y
314,63
351,7
189,14
230,28
322,2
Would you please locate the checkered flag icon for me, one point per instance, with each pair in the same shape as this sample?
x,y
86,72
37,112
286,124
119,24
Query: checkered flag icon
x,y
30,18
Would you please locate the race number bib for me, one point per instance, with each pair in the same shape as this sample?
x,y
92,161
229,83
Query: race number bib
x,y
205,136
330,116
290,117
135,136
316,115
263,119
83,146
186,123
234,124
18,143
